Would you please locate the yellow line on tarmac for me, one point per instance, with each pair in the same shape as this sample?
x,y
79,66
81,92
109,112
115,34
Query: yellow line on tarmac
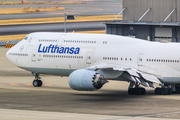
x,y
21,36
94,32
27,10
12,37
59,19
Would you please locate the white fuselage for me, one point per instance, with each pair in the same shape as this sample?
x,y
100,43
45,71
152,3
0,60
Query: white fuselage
x,y
73,51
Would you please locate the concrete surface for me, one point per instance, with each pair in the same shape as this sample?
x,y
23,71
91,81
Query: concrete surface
x,y
92,7
55,100
51,27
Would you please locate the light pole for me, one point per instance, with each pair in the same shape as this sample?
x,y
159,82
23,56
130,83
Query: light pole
x,y
67,17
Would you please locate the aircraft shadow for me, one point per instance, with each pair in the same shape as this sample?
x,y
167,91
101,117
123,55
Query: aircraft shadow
x,y
111,95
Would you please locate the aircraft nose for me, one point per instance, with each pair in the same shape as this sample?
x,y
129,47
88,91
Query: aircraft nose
x,y
10,56
7,54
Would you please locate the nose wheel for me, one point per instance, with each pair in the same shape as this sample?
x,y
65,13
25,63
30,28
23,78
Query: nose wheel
x,y
37,82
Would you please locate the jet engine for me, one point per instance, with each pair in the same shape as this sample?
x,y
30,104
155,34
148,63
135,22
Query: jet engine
x,y
86,80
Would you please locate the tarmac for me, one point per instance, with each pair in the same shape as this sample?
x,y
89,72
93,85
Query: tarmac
x,y
92,7
56,100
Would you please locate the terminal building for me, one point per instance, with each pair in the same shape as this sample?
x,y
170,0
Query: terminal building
x,y
154,20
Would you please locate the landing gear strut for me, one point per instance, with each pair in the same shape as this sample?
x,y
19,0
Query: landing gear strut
x,y
37,82
137,90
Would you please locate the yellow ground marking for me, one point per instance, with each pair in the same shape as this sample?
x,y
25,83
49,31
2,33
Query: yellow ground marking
x,y
9,45
28,10
21,36
37,2
59,19
61,13
12,37
95,32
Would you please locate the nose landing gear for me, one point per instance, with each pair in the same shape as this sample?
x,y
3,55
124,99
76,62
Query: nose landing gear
x,y
37,82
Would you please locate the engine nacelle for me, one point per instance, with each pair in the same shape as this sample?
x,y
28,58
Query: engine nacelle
x,y
86,80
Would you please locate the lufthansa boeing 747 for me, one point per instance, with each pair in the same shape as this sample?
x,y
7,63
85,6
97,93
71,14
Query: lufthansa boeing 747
x,y
90,60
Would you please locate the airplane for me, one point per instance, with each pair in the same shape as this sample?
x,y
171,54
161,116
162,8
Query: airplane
x,y
90,60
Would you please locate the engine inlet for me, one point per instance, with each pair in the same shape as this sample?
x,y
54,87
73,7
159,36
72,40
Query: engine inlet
x,y
99,81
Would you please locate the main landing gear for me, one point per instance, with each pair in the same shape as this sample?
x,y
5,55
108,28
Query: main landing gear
x,y
177,88
163,91
168,89
137,90
37,82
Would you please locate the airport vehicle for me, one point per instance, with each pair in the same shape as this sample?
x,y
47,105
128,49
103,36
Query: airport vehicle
x,y
90,60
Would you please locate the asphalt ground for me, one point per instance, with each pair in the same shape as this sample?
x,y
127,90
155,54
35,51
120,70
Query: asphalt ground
x,y
19,99
92,7
51,27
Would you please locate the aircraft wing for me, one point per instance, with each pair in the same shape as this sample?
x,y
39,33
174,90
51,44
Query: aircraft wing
x,y
134,75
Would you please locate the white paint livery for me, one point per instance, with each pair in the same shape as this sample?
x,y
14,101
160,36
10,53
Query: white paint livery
x,y
109,56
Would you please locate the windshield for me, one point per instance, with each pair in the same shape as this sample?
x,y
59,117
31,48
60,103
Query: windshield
x,y
25,38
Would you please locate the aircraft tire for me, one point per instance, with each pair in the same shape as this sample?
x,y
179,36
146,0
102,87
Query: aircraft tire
x,y
169,91
164,91
131,91
138,91
178,89
158,91
37,83
143,91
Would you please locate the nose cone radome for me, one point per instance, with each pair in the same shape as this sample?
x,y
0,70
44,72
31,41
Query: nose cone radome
x,y
9,55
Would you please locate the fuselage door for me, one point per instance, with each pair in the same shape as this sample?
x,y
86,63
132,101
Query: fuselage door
x,y
33,56
61,38
140,59
140,63
88,57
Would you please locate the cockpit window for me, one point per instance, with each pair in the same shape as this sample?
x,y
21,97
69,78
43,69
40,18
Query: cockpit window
x,y
25,38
